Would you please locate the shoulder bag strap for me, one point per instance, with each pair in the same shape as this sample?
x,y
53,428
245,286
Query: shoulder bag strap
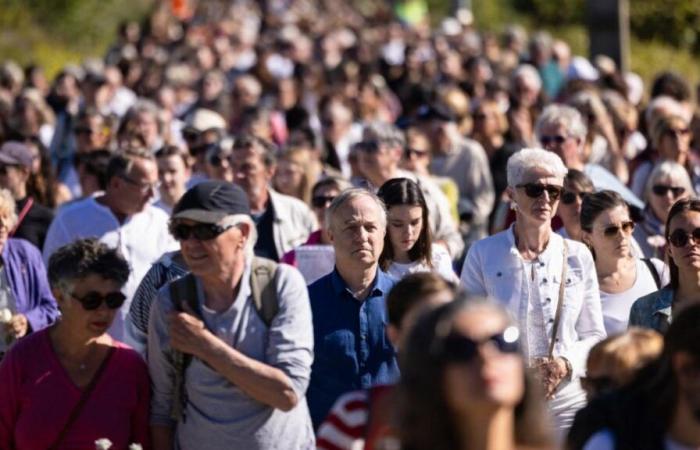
x,y
654,273
560,303
83,399
22,214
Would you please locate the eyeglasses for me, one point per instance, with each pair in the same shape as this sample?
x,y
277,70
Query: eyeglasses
x,y
535,190
201,231
92,300
569,197
458,348
369,146
320,201
612,230
679,238
679,132
555,139
661,190
417,153
597,385
143,187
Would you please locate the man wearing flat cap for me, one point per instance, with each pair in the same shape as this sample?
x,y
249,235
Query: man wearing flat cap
x,y
230,346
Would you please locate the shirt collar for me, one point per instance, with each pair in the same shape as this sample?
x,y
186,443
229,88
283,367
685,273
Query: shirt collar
x,y
381,284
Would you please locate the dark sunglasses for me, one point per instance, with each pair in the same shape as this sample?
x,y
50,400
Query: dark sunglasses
x,y
417,153
597,385
662,190
535,190
320,201
677,132
92,300
556,139
679,238
569,197
218,160
201,231
612,230
369,146
458,348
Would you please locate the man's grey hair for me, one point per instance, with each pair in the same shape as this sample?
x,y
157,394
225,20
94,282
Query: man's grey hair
x,y
384,133
237,219
566,116
351,194
672,170
529,159
528,74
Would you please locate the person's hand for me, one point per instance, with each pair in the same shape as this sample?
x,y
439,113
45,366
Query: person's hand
x,y
188,334
18,326
551,372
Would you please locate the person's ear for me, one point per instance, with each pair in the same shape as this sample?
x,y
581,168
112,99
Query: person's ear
x,y
245,233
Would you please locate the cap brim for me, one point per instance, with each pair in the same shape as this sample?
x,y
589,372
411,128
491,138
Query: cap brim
x,y
7,159
200,215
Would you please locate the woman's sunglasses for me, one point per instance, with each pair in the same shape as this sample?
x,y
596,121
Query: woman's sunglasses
x,y
320,201
662,190
612,230
569,197
535,190
201,231
679,238
92,300
458,348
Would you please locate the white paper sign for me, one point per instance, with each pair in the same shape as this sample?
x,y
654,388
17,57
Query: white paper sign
x,y
315,261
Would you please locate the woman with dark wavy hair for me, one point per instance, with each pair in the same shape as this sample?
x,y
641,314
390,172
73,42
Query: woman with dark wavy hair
x,y
464,384
408,246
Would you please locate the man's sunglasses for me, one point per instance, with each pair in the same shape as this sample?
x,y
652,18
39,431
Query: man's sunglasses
x,y
535,190
679,238
320,201
569,197
662,190
458,348
201,231
612,230
92,300
556,139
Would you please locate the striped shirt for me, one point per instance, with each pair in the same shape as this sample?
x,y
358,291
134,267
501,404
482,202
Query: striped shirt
x,y
346,425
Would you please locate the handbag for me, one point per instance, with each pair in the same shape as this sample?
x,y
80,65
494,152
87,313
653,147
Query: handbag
x,y
83,400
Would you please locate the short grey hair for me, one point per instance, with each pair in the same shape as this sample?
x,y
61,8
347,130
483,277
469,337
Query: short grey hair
x,y
528,74
384,133
237,219
350,194
565,116
529,159
670,169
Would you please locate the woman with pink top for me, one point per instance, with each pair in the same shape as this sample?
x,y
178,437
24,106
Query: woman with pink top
x,y
71,384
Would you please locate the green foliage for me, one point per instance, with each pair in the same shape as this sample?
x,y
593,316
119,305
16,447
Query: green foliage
x,y
554,12
674,21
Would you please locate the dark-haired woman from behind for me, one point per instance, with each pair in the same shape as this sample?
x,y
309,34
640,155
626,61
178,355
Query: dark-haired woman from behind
x,y
464,385
622,277
656,310
408,246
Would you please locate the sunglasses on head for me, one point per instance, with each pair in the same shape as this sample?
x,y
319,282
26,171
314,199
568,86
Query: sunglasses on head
x,y
320,201
662,190
569,197
555,139
458,348
92,300
679,238
535,190
200,231
612,230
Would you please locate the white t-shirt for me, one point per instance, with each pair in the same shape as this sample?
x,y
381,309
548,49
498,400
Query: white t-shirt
x,y
442,264
616,307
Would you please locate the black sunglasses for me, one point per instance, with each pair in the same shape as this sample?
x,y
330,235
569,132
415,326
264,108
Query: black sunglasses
x,y
662,190
556,139
612,230
320,201
569,197
92,300
535,190
458,348
679,238
201,231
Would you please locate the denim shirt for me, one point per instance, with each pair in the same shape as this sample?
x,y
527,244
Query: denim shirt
x,y
653,310
351,348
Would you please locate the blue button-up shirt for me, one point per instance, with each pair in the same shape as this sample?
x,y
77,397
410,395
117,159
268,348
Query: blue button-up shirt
x,y
352,350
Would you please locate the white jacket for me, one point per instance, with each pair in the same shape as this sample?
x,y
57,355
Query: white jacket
x,y
292,223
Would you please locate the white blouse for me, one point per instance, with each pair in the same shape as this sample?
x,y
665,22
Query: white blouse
x,y
442,265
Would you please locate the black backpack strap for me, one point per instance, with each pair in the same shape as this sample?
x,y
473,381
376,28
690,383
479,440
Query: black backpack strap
x,y
654,273
263,288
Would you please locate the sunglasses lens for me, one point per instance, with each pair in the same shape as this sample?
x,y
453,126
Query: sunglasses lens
x,y
91,301
611,231
204,232
628,227
659,189
678,238
534,190
181,232
568,197
115,300
553,192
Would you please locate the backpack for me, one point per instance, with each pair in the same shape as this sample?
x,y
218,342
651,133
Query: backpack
x,y
264,292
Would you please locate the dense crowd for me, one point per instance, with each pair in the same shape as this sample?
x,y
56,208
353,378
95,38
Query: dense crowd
x,y
298,224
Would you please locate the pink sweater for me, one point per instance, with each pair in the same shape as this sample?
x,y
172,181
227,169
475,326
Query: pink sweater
x,y
37,396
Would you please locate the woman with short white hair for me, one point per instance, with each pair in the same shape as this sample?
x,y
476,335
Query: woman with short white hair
x,y
547,282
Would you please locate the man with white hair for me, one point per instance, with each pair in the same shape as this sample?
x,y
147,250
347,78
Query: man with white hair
x,y
561,129
230,345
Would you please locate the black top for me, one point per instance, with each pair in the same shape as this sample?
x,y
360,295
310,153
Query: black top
x,y
265,246
35,223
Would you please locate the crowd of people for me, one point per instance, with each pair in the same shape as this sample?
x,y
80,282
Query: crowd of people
x,y
296,225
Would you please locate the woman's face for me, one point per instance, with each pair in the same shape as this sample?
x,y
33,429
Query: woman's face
x,y
486,123
537,209
569,209
610,236
322,197
675,142
492,379
89,323
661,198
688,255
288,177
405,225
4,229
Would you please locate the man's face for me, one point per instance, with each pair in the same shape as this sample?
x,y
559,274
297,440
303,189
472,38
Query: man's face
x,y
147,127
378,162
91,135
13,178
250,172
556,138
134,190
357,232
173,174
214,257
